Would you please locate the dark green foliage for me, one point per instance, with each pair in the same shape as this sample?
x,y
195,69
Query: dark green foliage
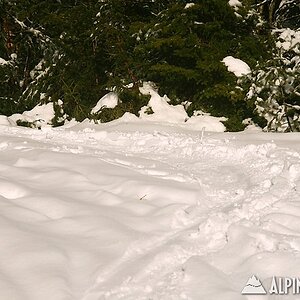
x,y
72,53
281,13
275,86
234,124
288,14
183,54
110,114
26,51
28,124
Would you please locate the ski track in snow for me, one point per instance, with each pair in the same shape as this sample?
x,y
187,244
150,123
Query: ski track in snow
x,y
153,214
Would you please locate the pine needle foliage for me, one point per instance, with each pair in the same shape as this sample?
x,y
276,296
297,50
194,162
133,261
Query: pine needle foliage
x,y
71,53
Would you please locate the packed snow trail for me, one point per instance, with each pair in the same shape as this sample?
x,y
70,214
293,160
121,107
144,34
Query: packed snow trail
x,y
160,212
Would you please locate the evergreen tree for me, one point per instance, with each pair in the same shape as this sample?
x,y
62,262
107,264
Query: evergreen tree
x,y
288,14
183,49
73,52
280,13
73,76
275,85
275,82
24,48
118,33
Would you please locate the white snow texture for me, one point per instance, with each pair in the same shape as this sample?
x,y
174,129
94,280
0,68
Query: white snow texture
x,y
110,100
235,3
236,66
142,210
3,61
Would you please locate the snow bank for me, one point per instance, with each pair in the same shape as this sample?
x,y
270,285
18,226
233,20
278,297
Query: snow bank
x,y
145,211
236,66
40,115
4,120
206,122
158,110
162,110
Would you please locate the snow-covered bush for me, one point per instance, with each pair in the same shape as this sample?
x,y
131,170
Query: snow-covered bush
x,y
275,84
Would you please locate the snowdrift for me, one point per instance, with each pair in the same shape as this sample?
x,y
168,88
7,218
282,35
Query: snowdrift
x,y
143,210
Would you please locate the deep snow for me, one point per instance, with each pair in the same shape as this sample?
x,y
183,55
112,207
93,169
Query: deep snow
x,y
143,210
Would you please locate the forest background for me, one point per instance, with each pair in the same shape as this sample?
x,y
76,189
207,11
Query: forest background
x,y
71,53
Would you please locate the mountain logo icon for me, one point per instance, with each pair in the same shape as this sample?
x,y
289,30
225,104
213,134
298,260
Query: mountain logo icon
x,y
254,287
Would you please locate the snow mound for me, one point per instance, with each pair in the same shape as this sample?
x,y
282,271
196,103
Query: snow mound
x,y
110,100
126,118
189,5
40,115
3,61
236,66
235,4
162,110
206,122
146,210
158,110
4,120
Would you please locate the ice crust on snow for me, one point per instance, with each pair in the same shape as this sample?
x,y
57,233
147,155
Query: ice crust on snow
x,y
236,66
145,210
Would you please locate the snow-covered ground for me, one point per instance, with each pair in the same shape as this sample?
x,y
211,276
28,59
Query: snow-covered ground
x,y
142,210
